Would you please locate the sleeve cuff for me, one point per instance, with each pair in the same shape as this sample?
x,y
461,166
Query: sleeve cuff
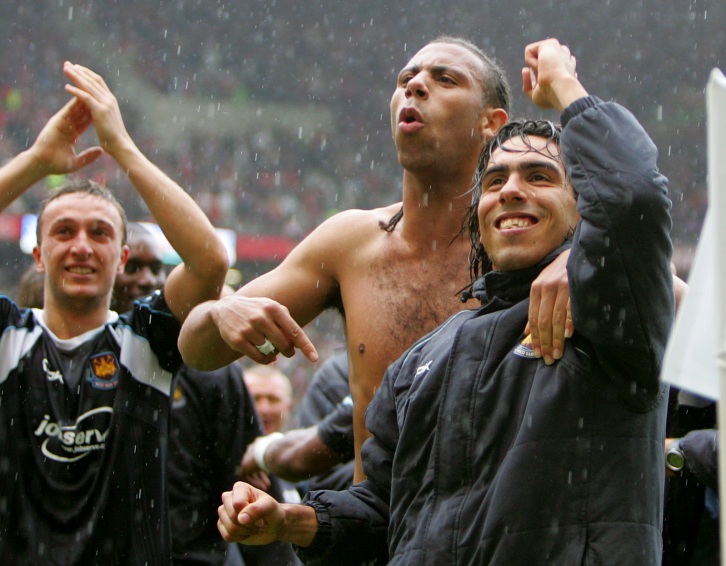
x,y
322,535
578,107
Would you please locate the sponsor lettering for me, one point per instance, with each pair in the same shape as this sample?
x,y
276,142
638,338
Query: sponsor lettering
x,y
70,443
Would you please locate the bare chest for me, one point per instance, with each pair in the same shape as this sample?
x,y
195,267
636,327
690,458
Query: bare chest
x,y
392,301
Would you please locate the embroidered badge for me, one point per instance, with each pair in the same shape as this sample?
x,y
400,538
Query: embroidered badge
x,y
524,349
104,371
178,400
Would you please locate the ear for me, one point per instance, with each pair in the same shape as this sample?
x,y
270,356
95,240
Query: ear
x,y
575,215
124,259
39,265
491,120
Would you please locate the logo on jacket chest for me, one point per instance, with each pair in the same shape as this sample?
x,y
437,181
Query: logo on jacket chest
x,y
423,369
524,349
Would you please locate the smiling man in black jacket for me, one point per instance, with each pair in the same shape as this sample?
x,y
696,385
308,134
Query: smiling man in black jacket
x,y
481,453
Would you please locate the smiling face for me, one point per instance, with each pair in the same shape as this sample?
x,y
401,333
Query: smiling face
x,y
527,207
144,272
80,250
438,113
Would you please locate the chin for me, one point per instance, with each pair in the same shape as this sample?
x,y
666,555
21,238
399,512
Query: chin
x,y
514,263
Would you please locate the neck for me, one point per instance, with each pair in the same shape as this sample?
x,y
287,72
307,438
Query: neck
x,y
69,321
434,209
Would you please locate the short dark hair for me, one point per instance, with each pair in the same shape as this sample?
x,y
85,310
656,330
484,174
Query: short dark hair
x,y
85,186
479,262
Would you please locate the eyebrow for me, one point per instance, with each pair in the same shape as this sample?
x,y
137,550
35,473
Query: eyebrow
x,y
435,70
522,166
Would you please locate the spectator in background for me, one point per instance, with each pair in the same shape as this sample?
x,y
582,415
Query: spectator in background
x,y
271,391
213,420
319,456
86,393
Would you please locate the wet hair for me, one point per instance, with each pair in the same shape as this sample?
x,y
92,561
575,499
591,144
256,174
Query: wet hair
x,y
496,93
77,185
479,262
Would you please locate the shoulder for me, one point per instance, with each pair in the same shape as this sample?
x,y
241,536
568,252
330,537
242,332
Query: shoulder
x,y
13,315
354,223
344,239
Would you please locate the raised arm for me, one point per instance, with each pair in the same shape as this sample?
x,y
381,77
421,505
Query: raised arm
x,y
619,273
53,152
184,224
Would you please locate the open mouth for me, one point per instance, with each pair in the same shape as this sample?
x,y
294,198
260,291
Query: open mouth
x,y
409,115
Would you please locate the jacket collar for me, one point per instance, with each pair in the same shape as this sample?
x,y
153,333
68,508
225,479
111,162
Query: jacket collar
x,y
510,287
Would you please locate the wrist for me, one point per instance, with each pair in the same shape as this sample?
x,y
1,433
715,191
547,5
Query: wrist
x,y
675,459
33,166
300,525
259,448
567,89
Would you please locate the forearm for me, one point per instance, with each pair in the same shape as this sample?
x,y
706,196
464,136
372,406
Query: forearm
x,y
298,455
200,342
622,198
352,527
184,224
20,173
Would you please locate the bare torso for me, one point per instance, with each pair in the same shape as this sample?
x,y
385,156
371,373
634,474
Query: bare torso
x,y
393,287
394,293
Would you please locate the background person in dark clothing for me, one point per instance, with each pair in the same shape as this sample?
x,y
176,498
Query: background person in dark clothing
x,y
213,420
691,519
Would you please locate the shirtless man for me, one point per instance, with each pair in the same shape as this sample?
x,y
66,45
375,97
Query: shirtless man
x,y
393,282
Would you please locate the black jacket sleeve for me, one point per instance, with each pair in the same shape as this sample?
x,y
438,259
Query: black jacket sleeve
x,y
621,198
700,448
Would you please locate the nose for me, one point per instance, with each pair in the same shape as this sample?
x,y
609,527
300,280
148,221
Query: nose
x,y
512,191
147,280
416,86
81,246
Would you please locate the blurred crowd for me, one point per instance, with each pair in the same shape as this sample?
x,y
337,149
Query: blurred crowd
x,y
339,56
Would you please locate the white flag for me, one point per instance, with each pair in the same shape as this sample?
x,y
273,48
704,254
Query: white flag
x,y
696,341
